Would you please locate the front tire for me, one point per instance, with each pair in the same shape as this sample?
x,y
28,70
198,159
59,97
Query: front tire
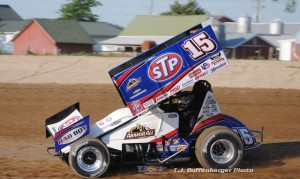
x,y
219,147
89,158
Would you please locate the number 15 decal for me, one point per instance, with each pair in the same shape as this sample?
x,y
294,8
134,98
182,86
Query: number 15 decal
x,y
199,45
245,135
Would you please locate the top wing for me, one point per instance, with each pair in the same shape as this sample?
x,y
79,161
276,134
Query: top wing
x,y
168,68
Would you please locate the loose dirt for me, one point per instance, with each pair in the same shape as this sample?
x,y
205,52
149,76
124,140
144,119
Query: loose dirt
x,y
24,108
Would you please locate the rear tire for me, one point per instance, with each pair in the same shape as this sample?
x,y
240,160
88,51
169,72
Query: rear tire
x,y
89,157
219,147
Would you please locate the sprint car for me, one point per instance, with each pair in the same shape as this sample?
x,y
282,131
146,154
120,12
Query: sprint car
x,y
171,113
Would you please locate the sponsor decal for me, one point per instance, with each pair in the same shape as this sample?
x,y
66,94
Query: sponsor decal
x,y
173,148
217,67
142,113
181,147
168,142
215,56
69,122
214,106
165,67
205,66
149,103
54,129
193,31
210,102
152,170
139,131
132,83
175,89
185,84
210,114
175,141
136,95
116,122
172,115
194,72
159,148
216,62
162,97
136,91
135,106
214,109
72,135
201,75
108,119
100,123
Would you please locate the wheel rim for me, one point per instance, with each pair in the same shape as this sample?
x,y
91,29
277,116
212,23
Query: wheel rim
x,y
89,158
222,151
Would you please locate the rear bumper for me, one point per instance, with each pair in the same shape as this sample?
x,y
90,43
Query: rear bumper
x,y
258,138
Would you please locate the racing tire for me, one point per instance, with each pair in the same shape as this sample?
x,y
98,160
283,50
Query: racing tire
x,y
219,147
89,157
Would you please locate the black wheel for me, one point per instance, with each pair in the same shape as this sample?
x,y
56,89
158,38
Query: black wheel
x,y
219,147
89,158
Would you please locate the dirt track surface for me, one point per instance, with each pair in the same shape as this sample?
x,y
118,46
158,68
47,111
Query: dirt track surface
x,y
93,70
24,107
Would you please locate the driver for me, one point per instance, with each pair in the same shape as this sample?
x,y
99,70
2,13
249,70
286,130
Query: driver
x,y
187,116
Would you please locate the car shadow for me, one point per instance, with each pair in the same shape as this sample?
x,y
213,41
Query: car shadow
x,y
268,155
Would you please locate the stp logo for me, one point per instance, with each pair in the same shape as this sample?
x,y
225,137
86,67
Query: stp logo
x,y
165,67
69,122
